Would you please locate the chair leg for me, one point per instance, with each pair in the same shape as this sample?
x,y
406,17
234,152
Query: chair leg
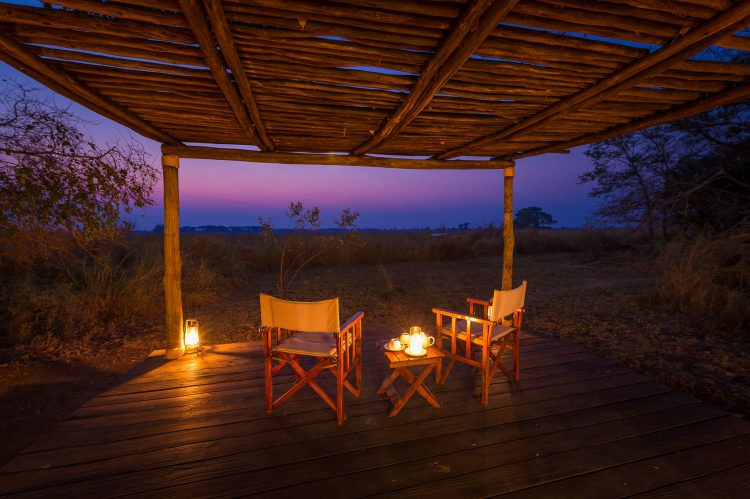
x,y
439,346
485,396
340,395
269,385
359,374
516,357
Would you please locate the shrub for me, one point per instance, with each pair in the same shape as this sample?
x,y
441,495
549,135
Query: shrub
x,y
88,292
708,278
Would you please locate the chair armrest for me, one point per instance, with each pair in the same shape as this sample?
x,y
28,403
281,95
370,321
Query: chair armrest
x,y
351,321
449,313
473,302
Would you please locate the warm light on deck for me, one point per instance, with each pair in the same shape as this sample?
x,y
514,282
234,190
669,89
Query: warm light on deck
x,y
192,340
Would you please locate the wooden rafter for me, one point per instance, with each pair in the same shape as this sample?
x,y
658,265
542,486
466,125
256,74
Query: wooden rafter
x,y
303,63
223,153
25,61
729,96
196,18
696,39
476,24
224,36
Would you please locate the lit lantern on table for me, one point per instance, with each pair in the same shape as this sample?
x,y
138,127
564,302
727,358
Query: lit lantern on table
x,y
416,344
192,340
415,330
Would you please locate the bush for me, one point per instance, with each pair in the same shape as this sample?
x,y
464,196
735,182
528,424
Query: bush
x,y
708,278
83,293
593,243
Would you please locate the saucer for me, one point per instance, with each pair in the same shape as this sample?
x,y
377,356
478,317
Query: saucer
x,y
388,347
422,354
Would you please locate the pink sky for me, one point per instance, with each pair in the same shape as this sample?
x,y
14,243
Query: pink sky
x,y
232,193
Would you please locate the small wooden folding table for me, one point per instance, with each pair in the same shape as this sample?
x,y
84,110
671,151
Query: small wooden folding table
x,y
400,363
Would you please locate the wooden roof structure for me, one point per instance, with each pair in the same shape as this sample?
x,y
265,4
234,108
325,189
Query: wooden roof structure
x,y
442,79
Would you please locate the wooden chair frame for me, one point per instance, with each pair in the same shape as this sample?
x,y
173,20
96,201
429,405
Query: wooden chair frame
x,y
490,360
348,357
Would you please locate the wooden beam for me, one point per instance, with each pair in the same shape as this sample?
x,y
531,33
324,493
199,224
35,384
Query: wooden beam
x,y
463,41
223,35
172,258
81,21
695,40
27,62
509,240
228,154
730,96
196,17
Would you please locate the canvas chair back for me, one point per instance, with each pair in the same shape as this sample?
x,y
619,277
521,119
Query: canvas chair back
x,y
310,316
505,303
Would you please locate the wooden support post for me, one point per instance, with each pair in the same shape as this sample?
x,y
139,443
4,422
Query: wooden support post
x,y
508,236
172,258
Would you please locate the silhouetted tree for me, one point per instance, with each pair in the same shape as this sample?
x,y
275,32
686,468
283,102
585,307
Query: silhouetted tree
x,y
533,216
299,249
54,179
692,172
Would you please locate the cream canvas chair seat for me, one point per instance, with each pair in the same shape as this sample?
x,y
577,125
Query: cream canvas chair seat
x,y
311,344
295,329
489,335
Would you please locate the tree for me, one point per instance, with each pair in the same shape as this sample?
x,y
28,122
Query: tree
x,y
347,219
299,249
692,172
533,216
53,179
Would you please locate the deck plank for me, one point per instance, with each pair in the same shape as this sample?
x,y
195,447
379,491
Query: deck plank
x,y
197,427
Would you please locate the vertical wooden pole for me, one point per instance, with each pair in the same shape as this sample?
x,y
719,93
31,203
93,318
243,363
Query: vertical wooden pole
x,y
172,258
508,236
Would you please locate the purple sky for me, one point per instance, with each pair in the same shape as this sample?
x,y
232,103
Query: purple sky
x,y
233,193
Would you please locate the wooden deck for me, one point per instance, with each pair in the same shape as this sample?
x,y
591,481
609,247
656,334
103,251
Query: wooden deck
x,y
575,426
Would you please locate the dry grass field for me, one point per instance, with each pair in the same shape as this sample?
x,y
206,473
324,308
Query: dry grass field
x,y
602,292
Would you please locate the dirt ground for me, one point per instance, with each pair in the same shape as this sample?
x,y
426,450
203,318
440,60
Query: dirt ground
x,y
606,306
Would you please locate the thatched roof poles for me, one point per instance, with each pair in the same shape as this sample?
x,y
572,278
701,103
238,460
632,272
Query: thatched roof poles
x,y
196,17
224,36
479,20
730,96
25,61
681,48
219,153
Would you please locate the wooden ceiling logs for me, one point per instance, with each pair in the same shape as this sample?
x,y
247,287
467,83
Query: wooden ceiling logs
x,y
730,96
16,55
478,21
196,18
404,77
223,35
684,46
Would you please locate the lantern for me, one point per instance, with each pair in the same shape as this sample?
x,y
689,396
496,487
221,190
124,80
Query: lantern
x,y
192,340
416,346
